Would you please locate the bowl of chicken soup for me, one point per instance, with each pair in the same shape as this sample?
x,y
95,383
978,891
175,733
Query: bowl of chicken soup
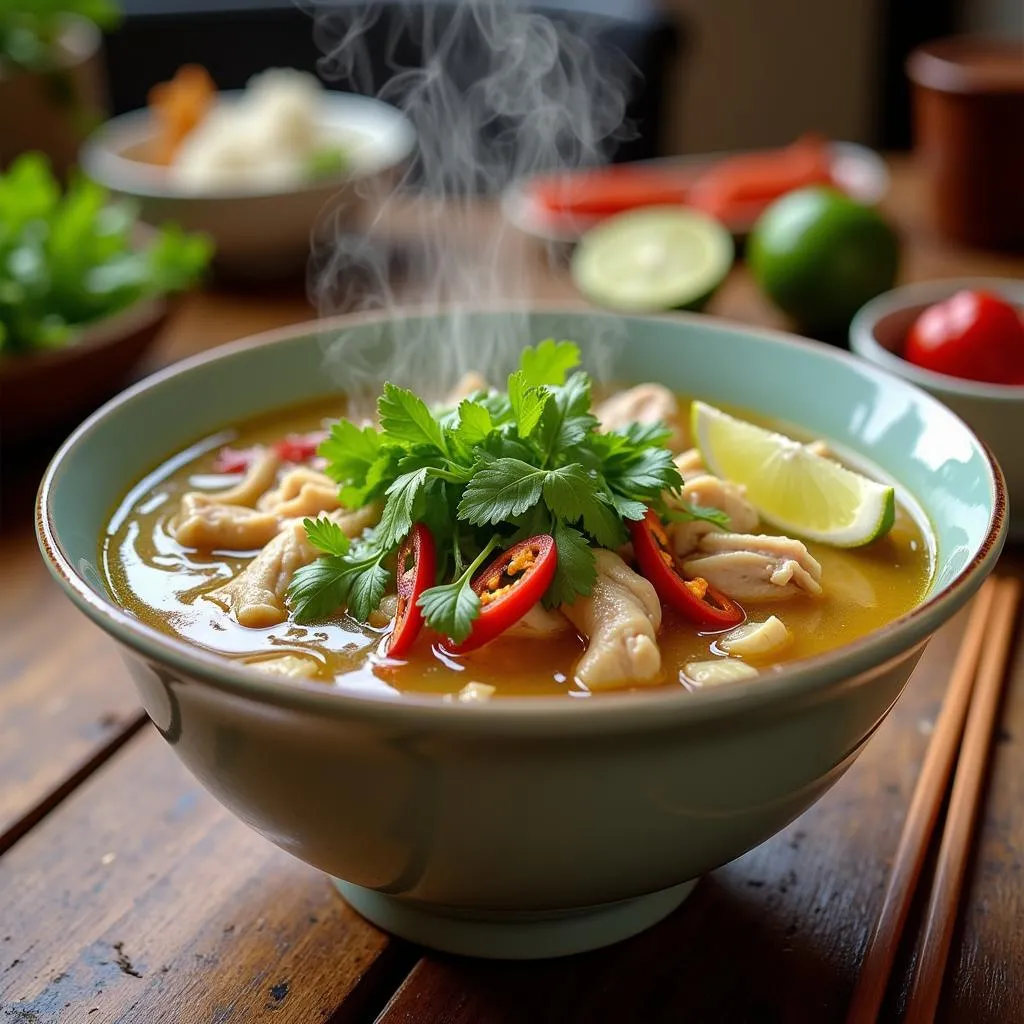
x,y
516,652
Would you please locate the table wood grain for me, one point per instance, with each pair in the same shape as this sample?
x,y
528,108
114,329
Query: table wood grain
x,y
127,894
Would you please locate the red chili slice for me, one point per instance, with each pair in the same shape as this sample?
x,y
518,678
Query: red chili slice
x,y
508,588
299,447
417,571
696,599
236,460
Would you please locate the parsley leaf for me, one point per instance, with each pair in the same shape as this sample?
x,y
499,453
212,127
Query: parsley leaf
x,y
349,451
320,588
397,518
528,403
683,513
501,490
549,362
577,567
567,419
646,473
450,609
367,589
406,417
327,535
474,423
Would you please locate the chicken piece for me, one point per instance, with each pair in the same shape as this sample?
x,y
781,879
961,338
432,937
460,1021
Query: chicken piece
x,y
706,491
646,403
468,383
690,463
756,639
261,477
620,618
206,523
539,624
385,612
302,492
751,567
290,666
257,594
702,674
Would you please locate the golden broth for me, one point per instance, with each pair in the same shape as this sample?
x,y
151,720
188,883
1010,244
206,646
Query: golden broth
x,y
156,579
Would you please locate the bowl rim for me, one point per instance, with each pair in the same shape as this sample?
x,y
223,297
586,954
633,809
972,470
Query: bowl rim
x,y
639,709
102,157
865,343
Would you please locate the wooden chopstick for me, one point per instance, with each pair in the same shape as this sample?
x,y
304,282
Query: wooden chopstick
x,y
921,816
963,809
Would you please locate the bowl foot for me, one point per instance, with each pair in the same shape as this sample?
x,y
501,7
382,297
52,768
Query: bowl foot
x,y
514,935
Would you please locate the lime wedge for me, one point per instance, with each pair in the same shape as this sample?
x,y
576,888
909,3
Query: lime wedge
x,y
796,490
653,259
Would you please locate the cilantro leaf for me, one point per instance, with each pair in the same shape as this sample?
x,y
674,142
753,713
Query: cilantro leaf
x,y
654,435
320,588
528,403
566,489
397,518
451,609
349,451
501,490
367,589
327,535
358,490
647,472
474,423
406,417
567,419
627,507
603,523
681,512
577,567
549,362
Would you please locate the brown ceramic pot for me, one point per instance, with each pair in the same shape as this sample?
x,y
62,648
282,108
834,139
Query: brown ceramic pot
x,y
969,126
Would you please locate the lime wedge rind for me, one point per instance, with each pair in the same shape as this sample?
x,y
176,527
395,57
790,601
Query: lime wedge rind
x,y
796,490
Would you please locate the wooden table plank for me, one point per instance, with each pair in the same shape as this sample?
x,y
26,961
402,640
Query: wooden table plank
x,y
776,937
141,900
65,699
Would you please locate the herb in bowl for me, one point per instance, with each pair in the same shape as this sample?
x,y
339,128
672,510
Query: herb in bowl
x,y
68,259
526,471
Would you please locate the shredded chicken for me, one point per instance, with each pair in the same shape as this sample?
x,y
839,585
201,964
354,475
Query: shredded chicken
x,y
291,666
207,523
752,567
690,463
261,477
706,491
717,672
620,618
539,624
646,403
756,639
257,594
301,492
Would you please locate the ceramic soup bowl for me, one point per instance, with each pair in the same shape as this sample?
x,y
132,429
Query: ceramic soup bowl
x,y
527,826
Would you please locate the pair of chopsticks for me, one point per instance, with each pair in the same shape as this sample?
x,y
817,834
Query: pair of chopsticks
x,y
970,712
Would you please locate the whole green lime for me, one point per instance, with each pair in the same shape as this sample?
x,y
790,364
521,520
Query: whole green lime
x,y
819,256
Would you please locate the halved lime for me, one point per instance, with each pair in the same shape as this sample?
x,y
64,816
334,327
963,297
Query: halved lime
x,y
652,259
795,489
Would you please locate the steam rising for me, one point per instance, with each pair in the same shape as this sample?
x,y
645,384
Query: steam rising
x,y
501,92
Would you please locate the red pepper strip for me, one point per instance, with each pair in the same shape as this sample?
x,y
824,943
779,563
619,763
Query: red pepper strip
x,y
508,588
696,599
417,571
236,460
606,191
299,447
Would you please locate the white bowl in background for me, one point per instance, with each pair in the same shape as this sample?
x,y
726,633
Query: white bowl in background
x,y
259,232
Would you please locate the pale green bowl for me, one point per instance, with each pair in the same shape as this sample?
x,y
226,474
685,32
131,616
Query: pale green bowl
x,y
526,827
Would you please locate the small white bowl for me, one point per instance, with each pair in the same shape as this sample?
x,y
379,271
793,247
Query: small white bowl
x,y
994,411
259,232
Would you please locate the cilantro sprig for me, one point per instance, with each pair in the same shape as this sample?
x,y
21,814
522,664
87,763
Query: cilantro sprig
x,y
499,467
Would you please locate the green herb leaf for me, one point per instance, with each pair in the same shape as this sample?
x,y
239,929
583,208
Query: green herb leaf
x,y
399,510
406,417
367,589
567,419
685,513
528,403
647,473
627,508
349,451
644,435
327,535
549,362
474,423
451,609
501,490
577,567
319,589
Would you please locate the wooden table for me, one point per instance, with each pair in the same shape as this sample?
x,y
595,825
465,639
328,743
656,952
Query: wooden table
x,y
128,894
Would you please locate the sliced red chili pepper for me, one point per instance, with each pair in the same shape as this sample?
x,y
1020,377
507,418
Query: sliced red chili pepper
x,y
695,598
417,571
299,447
508,588
236,460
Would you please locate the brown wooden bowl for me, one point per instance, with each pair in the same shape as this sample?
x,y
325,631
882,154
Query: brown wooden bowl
x,y
43,390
